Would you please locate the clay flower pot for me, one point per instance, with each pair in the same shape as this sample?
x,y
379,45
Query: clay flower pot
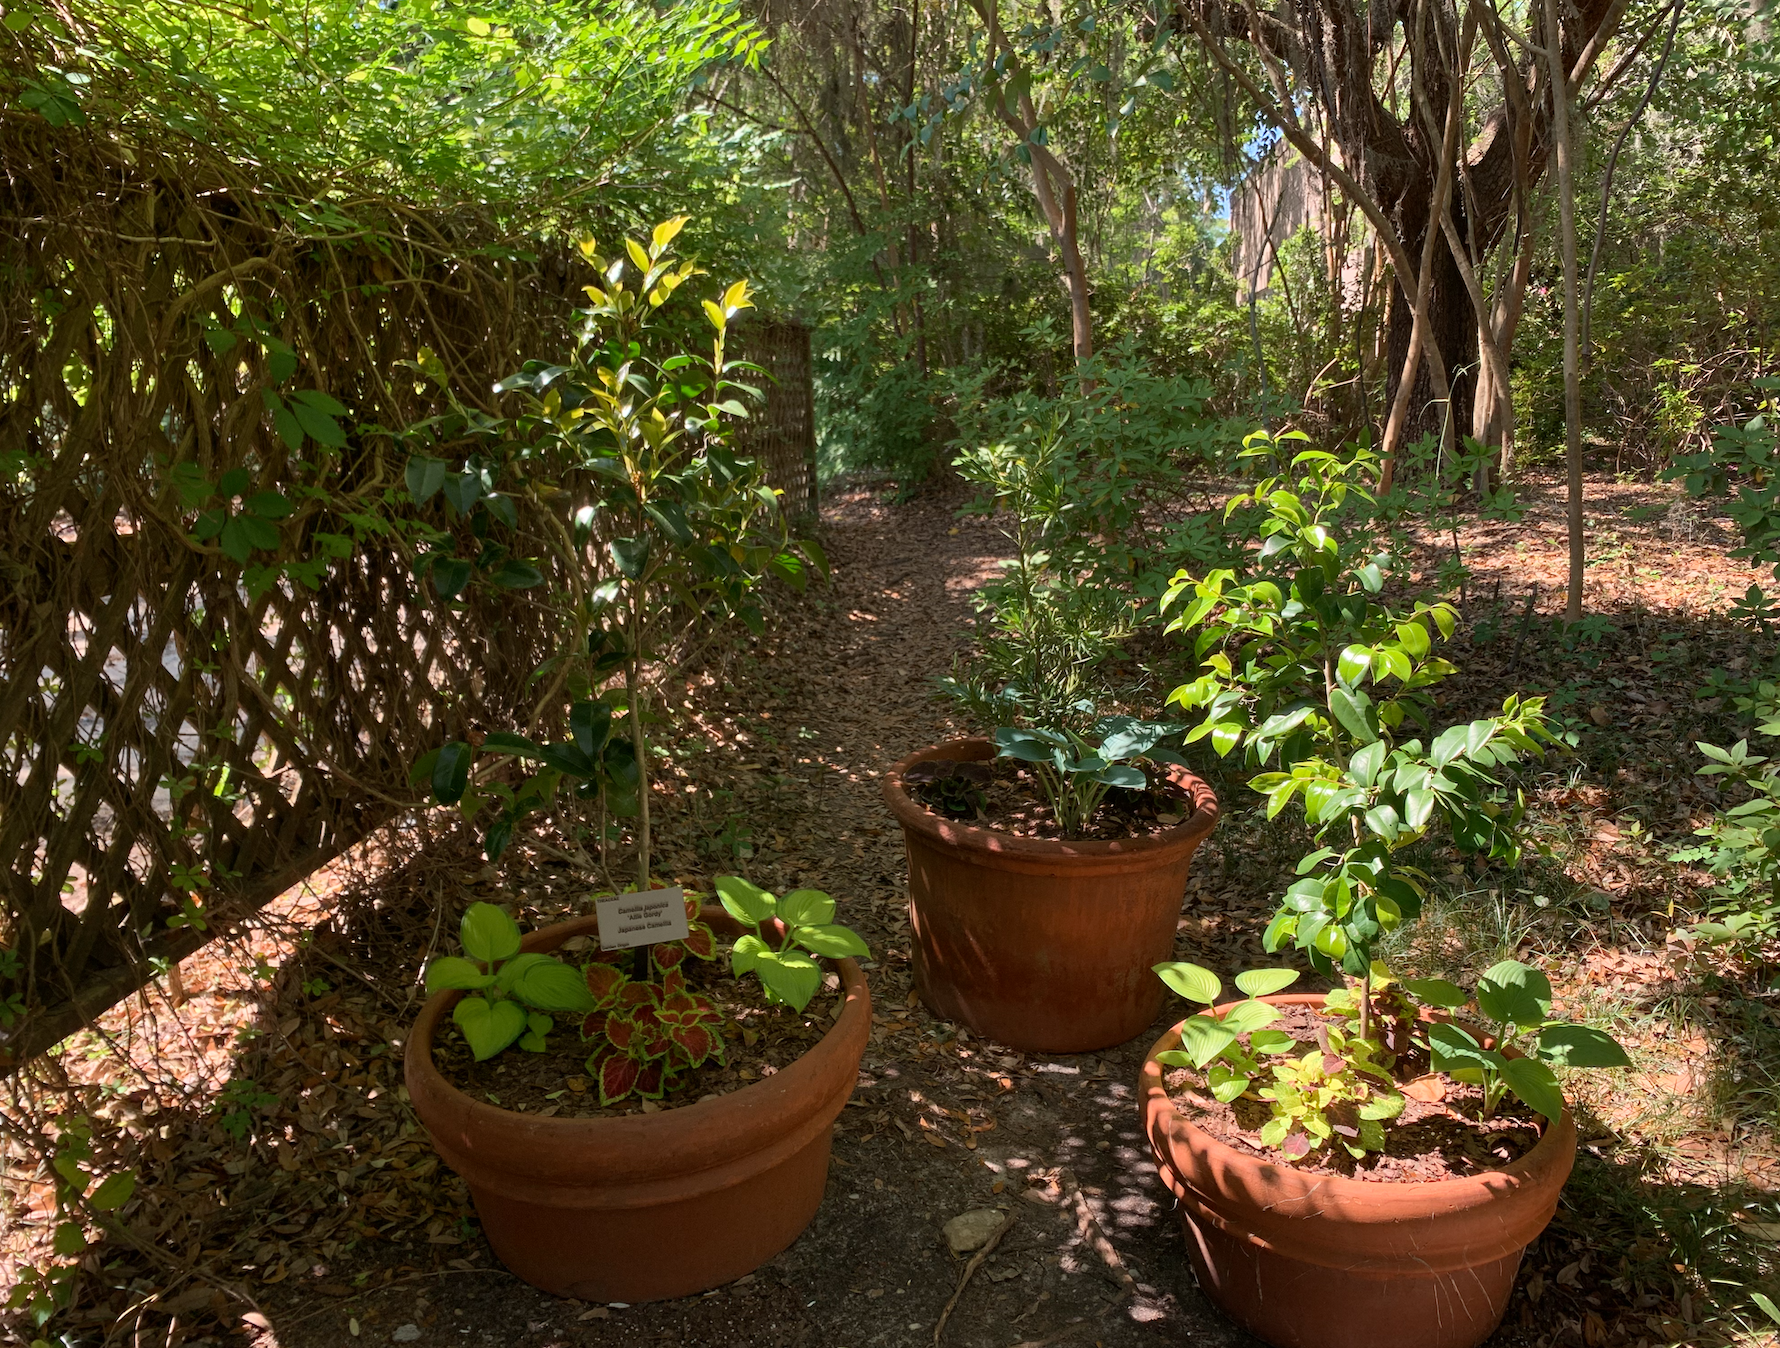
x,y
1039,944
1318,1261
646,1206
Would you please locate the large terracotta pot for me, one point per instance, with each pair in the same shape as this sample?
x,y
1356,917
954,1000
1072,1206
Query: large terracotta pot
x,y
1043,945
1314,1261
646,1206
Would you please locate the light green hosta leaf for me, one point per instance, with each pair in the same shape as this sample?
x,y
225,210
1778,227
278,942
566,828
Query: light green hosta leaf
x,y
488,1027
746,954
1536,1084
806,908
1247,1017
1190,981
1226,1082
1513,992
744,901
789,975
489,934
1204,1037
1265,982
553,986
510,973
454,971
832,941
1173,1057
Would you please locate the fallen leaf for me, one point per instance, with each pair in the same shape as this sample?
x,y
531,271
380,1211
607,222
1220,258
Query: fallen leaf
x,y
1429,1089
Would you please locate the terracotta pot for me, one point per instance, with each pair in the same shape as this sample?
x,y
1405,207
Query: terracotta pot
x,y
1043,945
646,1206
1314,1261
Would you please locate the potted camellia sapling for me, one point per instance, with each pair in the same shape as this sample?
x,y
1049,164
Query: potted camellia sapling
x,y
1272,1118
639,1200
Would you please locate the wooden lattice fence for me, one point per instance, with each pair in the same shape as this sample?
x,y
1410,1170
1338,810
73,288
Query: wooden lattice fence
x,y
174,727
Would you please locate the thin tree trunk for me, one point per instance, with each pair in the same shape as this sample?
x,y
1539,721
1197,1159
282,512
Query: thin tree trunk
x,y
1566,187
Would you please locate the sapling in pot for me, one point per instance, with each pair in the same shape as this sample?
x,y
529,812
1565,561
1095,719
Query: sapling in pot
x,y
656,533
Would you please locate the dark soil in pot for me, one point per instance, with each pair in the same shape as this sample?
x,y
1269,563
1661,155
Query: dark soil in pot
x,y
1012,801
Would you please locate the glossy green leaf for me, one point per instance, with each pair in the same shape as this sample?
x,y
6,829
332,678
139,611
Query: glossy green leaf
x,y
451,772
114,1191
630,555
424,476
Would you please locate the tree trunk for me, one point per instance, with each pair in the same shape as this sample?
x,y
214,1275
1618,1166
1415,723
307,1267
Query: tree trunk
x,y
1453,324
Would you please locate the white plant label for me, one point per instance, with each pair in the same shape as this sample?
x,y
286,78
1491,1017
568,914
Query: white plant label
x,y
629,920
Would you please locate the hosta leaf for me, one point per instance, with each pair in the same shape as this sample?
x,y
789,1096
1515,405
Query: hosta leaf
x,y
553,986
488,1027
1581,1046
454,971
1191,981
1204,1037
1265,982
806,908
744,900
832,941
1536,1084
488,934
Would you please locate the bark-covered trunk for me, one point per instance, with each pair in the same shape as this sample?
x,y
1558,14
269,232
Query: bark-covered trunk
x,y
1453,324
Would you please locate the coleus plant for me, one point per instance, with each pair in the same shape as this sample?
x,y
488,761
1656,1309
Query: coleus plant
x,y
1313,1090
511,994
645,1033
648,1030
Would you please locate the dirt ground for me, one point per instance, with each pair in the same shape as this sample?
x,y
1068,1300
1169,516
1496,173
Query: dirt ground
x,y
288,1197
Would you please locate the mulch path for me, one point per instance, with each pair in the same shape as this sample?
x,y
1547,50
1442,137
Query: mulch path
x,y
288,1195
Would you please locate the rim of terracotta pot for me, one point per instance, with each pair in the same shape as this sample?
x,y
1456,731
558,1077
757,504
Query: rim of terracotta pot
x,y
972,838
1292,1194
638,1147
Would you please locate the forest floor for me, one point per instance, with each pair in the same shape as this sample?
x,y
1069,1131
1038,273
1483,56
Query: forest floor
x,y
289,1197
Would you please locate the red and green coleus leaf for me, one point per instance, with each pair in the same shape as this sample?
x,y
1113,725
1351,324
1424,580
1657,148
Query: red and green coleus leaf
x,y
667,955
651,1082
697,1043
701,942
621,1031
617,1074
606,983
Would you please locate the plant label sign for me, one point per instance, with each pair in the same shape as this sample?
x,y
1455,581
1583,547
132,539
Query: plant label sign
x,y
629,920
